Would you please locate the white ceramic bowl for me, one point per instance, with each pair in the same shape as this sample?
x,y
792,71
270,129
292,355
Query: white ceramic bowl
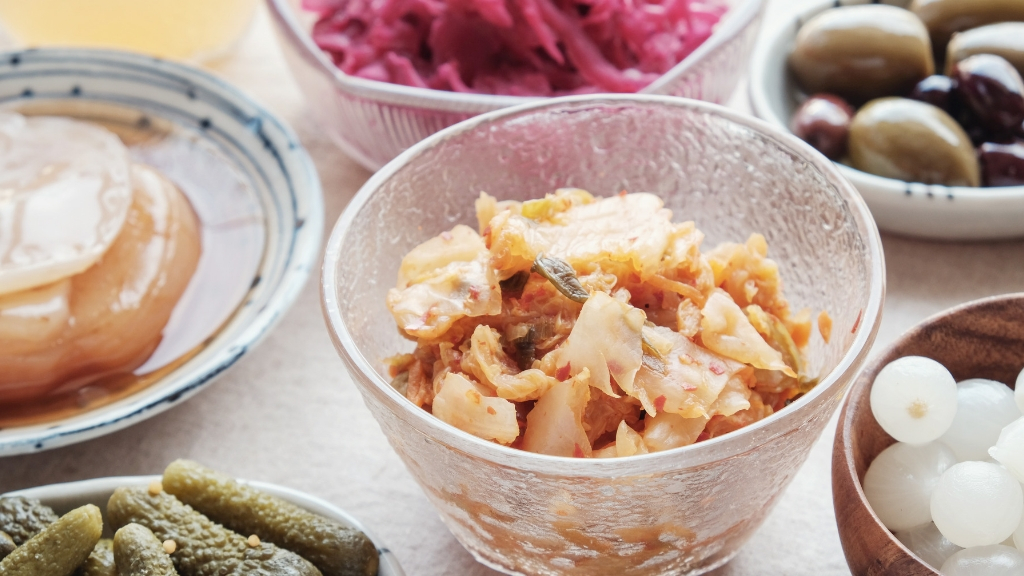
x,y
258,199
70,495
913,209
373,122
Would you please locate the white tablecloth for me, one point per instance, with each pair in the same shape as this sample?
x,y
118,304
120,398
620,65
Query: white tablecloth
x,y
288,413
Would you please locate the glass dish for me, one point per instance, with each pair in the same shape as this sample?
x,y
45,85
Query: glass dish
x,y
682,511
373,122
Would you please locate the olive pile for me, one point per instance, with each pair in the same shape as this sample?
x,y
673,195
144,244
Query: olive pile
x,y
878,105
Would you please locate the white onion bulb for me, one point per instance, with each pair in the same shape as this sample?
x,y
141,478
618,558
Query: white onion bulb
x,y
985,561
914,399
977,504
1009,449
928,544
984,408
900,481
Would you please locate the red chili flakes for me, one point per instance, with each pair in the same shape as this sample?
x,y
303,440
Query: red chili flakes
x,y
474,292
716,369
856,323
622,193
659,403
563,373
446,236
577,452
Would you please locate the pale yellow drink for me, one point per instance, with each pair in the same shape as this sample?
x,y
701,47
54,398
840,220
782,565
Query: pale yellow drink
x,y
180,29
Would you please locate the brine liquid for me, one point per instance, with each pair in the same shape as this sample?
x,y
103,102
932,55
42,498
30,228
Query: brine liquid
x,y
233,240
182,29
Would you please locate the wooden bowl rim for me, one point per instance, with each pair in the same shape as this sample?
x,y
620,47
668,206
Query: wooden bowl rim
x,y
843,437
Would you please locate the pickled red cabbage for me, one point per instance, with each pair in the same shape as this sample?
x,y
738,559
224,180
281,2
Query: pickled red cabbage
x,y
514,47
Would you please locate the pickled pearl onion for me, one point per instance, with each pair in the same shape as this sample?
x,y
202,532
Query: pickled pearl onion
x,y
64,195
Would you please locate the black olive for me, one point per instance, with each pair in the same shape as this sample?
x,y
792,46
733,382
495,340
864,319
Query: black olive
x,y
1002,164
823,121
993,91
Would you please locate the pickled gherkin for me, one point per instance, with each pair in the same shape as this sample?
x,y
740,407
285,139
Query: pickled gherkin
x,y
22,518
100,562
60,548
335,549
203,547
6,545
137,552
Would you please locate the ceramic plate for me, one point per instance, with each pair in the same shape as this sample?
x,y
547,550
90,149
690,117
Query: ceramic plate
x,y
249,180
65,497
912,209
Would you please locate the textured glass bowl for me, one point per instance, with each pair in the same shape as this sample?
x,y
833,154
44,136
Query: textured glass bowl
x,y
373,122
682,511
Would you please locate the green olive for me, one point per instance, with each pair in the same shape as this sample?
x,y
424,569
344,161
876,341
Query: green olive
x,y
912,141
862,52
1005,39
944,17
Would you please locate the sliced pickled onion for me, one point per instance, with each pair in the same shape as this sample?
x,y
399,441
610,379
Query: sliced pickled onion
x,y
64,194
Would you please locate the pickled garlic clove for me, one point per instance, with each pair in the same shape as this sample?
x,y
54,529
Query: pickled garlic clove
x,y
977,504
65,191
118,307
994,560
928,543
900,481
914,399
1009,449
984,408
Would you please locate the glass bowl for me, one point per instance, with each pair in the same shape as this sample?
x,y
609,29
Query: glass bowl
x,y
682,511
372,122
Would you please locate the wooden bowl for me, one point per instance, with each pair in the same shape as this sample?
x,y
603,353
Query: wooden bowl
x,y
980,339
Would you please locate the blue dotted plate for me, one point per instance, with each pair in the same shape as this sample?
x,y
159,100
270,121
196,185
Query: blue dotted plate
x,y
250,181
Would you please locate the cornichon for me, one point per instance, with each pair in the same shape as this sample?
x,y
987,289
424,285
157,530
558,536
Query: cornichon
x,y
137,552
203,547
22,518
100,562
60,548
562,276
6,545
335,549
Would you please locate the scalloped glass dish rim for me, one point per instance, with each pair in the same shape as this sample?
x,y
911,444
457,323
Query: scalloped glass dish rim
x,y
736,20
